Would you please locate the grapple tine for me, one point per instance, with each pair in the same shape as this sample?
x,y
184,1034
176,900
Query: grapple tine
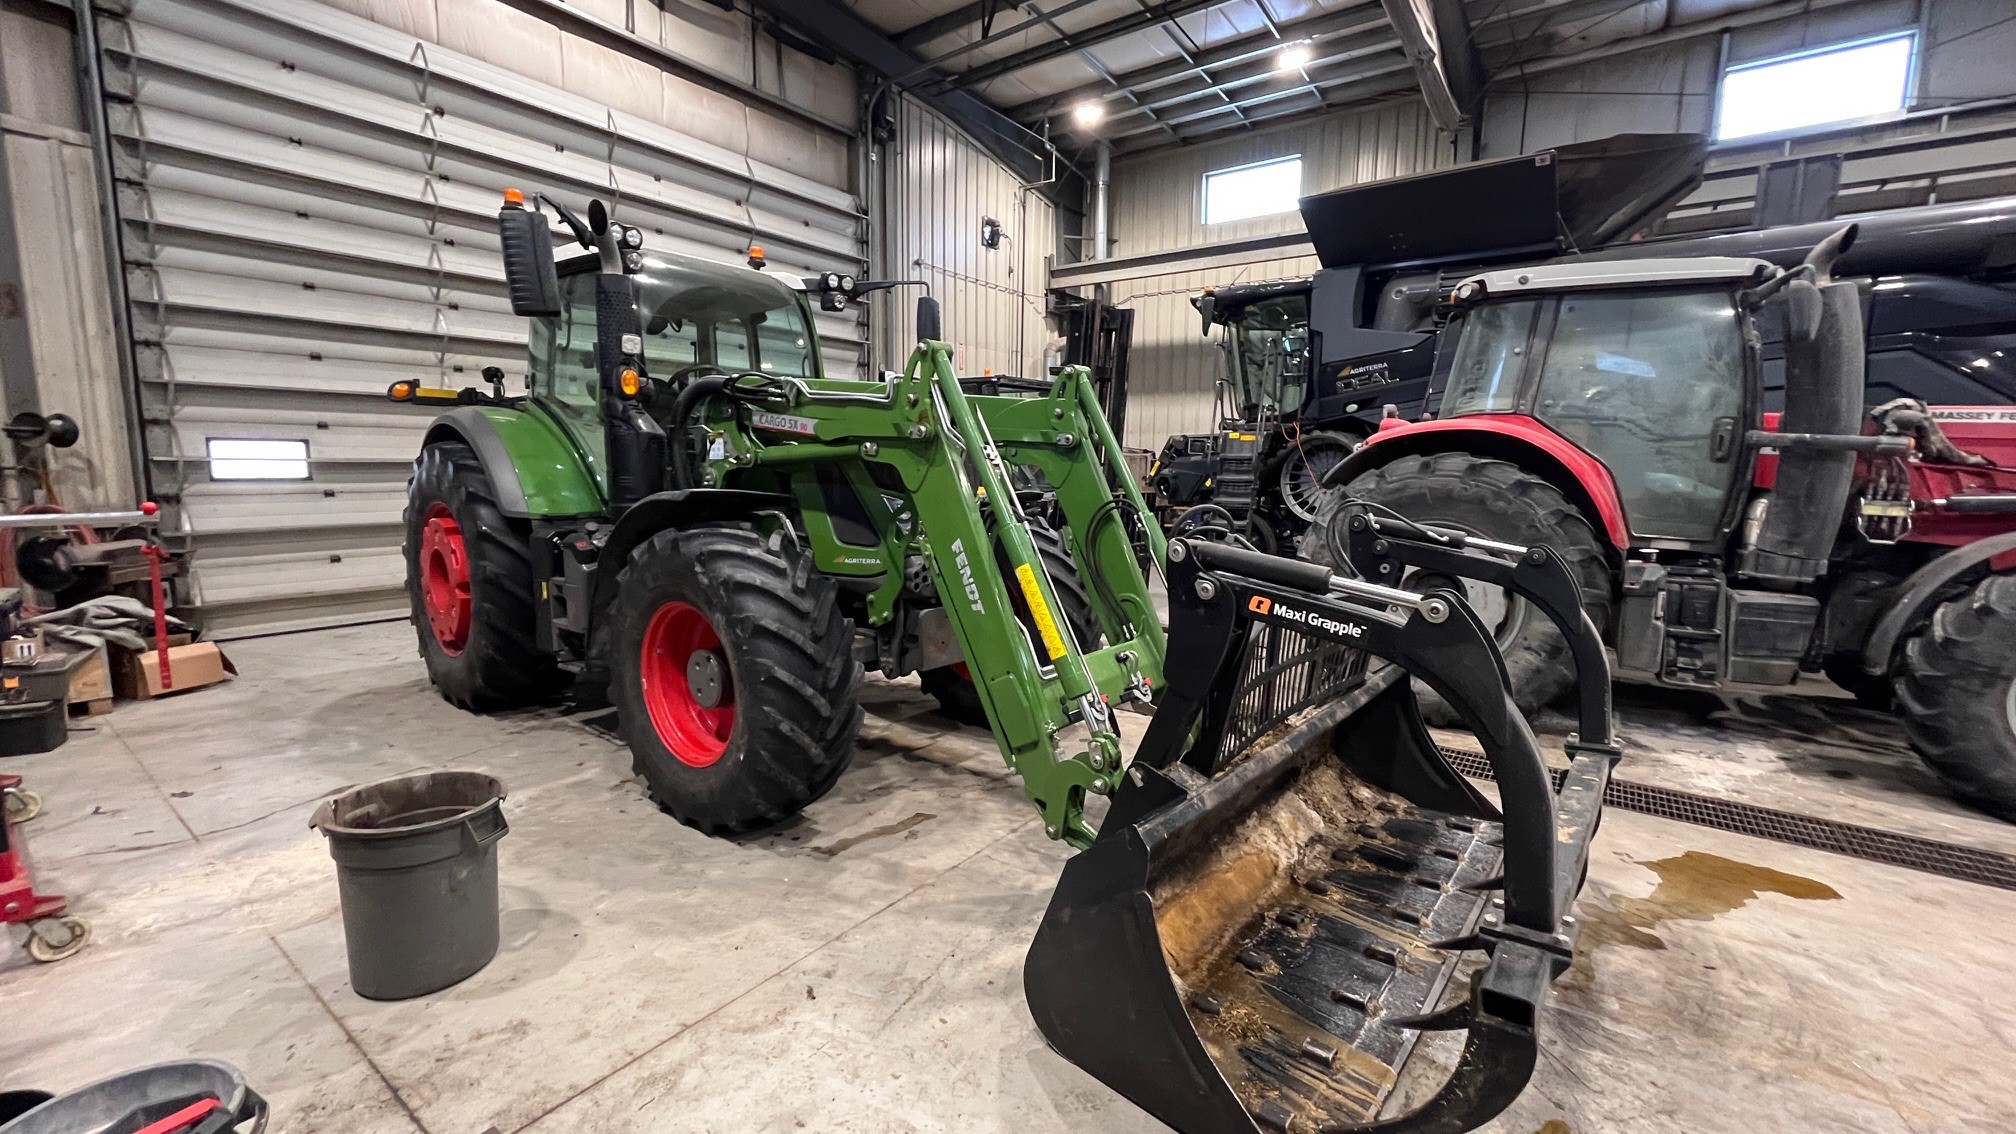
x,y
1291,884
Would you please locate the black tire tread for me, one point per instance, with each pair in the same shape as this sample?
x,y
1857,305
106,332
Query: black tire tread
x,y
1501,500
956,696
501,665
1952,685
795,723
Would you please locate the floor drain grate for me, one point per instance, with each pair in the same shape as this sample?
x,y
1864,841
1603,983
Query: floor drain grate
x,y
1949,860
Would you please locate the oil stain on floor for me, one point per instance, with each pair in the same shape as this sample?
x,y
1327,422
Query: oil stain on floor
x,y
1695,886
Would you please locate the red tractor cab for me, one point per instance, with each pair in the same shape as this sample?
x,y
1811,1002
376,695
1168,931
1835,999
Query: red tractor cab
x,y
1615,411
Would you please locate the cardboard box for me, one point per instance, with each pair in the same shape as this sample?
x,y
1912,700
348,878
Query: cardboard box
x,y
191,666
91,680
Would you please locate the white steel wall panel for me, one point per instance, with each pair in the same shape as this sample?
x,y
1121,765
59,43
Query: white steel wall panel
x,y
308,203
941,185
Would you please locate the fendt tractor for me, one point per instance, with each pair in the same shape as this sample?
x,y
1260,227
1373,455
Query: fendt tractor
x,y
1288,876
1615,412
1311,363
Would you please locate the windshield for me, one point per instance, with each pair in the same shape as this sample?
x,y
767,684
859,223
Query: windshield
x,y
1270,355
695,312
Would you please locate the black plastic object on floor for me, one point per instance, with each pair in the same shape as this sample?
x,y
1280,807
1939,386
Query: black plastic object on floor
x,y
416,866
31,727
202,1096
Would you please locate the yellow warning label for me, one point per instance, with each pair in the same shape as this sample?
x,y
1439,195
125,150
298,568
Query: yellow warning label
x,y
1046,624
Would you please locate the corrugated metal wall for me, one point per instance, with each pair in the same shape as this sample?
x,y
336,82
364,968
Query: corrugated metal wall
x,y
1158,198
940,186
308,202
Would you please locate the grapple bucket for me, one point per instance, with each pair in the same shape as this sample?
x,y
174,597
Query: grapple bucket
x,y
1292,886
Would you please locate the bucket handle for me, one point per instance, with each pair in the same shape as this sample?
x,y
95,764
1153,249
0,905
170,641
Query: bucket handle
x,y
480,839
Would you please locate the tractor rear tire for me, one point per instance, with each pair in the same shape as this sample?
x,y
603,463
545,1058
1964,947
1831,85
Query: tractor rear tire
x,y
469,582
733,671
1501,501
957,698
1956,693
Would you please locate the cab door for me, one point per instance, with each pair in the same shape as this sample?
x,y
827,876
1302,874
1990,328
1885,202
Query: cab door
x,y
1652,383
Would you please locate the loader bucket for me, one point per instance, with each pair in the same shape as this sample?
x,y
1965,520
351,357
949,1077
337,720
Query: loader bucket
x,y
1292,886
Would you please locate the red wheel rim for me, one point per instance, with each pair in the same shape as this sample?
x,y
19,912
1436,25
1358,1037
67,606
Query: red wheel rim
x,y
444,579
695,732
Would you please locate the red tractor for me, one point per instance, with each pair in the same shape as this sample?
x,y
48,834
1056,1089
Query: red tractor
x,y
1616,413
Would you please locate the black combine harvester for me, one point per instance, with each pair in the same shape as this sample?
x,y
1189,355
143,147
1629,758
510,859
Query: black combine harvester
x,y
1312,363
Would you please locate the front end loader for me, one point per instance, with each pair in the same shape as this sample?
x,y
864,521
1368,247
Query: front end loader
x,y
1288,883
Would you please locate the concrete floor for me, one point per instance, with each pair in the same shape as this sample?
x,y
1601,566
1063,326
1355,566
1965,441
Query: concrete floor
x,y
860,969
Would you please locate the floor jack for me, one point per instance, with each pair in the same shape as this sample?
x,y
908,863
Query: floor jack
x,y
49,933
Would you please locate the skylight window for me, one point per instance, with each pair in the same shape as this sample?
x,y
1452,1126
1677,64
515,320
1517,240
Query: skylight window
x,y
1841,83
1246,191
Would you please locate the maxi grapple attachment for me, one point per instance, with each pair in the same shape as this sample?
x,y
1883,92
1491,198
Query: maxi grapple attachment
x,y
1292,886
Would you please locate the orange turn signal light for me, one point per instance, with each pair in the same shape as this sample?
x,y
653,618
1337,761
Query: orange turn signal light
x,y
400,391
629,382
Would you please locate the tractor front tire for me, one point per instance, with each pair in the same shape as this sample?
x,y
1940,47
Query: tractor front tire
x,y
1501,501
1956,693
733,670
470,586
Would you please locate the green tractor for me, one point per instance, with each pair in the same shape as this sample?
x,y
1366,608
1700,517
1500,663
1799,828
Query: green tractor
x,y
685,507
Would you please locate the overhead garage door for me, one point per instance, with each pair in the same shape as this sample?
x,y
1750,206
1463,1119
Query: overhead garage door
x,y
307,203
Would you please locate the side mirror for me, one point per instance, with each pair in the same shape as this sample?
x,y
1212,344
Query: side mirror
x,y
927,318
1207,305
529,276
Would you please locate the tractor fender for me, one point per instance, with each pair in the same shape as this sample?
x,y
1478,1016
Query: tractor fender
x,y
676,508
1918,592
529,461
1507,437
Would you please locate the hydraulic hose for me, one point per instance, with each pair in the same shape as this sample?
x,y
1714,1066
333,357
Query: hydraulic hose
x,y
682,408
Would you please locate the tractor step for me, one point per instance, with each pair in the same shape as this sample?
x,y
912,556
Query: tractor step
x,y
1306,1011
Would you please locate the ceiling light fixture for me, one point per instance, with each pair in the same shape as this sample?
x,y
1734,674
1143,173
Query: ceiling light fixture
x,y
1088,113
1294,57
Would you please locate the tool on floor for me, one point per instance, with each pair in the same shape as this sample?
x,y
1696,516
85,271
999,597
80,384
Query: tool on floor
x,y
45,927
758,532
191,1096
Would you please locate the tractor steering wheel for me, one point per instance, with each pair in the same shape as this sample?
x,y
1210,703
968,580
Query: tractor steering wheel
x,y
680,375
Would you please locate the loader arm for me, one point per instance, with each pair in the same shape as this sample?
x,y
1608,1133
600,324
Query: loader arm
x,y
931,466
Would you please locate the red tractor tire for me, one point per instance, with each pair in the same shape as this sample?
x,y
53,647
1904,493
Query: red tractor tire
x,y
1956,693
1501,501
733,671
469,582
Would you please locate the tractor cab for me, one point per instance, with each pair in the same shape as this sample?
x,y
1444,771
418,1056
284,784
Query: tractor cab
x,y
1647,368
697,317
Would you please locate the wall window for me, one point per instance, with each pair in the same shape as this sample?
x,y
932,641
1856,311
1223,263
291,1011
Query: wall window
x,y
1256,190
1842,83
261,458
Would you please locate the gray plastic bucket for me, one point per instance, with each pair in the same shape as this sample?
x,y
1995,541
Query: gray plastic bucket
x,y
416,868
132,1099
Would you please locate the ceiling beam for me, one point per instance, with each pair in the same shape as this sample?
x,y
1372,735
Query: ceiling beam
x,y
1320,32
1151,16
838,27
964,16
